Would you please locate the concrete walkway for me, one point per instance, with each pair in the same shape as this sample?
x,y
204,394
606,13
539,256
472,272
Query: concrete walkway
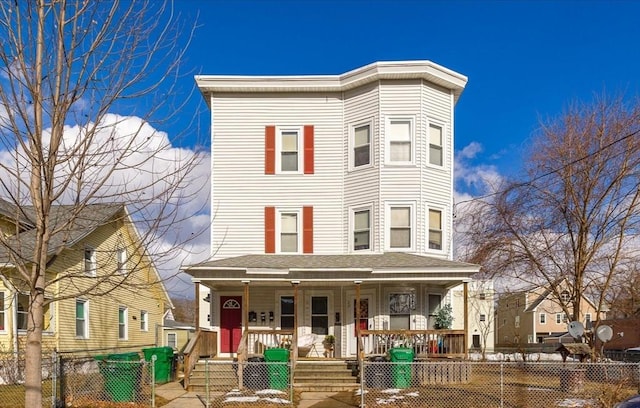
x,y
179,398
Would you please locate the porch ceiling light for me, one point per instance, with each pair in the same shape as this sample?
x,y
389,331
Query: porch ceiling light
x,y
295,282
245,281
357,282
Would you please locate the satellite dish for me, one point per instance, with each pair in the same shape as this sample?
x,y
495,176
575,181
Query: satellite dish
x,y
576,329
604,333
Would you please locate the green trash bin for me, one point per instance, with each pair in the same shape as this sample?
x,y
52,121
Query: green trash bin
x,y
277,360
163,364
121,375
401,359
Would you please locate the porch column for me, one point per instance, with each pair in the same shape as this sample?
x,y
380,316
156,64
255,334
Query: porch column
x,y
245,308
360,352
466,318
197,317
295,319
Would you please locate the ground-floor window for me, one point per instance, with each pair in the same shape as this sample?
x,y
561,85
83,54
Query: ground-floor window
x,y
320,315
400,311
286,312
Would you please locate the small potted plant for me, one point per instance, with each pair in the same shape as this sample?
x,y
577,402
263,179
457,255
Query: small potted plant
x,y
329,341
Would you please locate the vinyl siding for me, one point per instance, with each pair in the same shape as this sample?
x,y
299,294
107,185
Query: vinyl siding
x,y
241,190
362,186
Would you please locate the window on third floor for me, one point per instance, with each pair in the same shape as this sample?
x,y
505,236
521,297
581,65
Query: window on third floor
x,y
361,146
399,141
436,151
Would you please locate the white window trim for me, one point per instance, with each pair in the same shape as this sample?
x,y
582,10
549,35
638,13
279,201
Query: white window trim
x,y
279,131
86,319
94,264
352,217
175,338
412,137
5,310
517,322
444,228
121,260
541,318
558,318
387,227
352,145
144,318
442,126
126,323
279,212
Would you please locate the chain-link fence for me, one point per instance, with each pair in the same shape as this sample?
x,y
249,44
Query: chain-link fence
x,y
254,383
106,381
12,389
500,384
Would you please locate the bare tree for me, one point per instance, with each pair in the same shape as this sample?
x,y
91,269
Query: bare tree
x,y
575,213
482,308
81,84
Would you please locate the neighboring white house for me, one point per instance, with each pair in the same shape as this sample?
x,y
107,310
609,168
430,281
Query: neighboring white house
x,y
328,189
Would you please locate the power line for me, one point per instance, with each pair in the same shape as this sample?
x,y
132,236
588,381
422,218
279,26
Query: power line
x,y
550,172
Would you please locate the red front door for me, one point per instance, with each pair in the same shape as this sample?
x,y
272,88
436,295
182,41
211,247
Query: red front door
x,y
230,323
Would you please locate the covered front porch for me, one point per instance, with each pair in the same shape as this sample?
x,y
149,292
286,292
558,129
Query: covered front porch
x,y
343,307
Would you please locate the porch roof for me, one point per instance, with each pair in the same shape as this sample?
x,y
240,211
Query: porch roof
x,y
380,266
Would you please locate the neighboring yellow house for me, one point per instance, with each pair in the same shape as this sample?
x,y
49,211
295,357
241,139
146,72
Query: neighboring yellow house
x,y
531,315
176,334
105,291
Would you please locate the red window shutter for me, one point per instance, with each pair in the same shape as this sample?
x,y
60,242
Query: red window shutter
x,y
308,149
270,150
307,230
269,230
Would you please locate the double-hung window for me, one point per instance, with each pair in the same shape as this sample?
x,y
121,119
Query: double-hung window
x,y
400,141
289,231
82,318
2,312
289,150
436,151
361,145
90,261
172,340
435,229
543,318
362,230
400,230
144,320
121,255
286,312
320,315
122,323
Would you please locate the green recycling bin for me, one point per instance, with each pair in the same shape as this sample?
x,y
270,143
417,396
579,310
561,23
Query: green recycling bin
x,y
163,364
277,360
121,375
401,359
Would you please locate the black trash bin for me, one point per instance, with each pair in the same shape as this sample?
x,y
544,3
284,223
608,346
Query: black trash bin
x,y
255,374
377,374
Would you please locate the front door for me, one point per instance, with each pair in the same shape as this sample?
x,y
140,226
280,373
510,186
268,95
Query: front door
x,y
230,323
354,323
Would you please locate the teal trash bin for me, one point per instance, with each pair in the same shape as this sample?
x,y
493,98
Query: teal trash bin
x,y
163,364
277,360
401,359
121,375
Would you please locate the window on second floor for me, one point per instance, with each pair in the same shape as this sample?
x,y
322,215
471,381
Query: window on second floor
x,y
2,312
361,146
288,230
400,229
483,317
517,322
543,318
362,230
90,261
436,156
435,229
399,141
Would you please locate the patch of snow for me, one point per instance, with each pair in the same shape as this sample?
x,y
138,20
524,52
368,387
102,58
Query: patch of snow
x,y
413,394
575,403
234,392
269,392
391,391
276,400
242,399
359,391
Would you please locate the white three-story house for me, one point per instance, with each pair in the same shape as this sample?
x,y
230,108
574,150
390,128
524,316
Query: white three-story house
x,y
330,192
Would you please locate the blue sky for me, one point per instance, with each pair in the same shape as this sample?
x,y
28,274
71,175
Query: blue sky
x,y
525,60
